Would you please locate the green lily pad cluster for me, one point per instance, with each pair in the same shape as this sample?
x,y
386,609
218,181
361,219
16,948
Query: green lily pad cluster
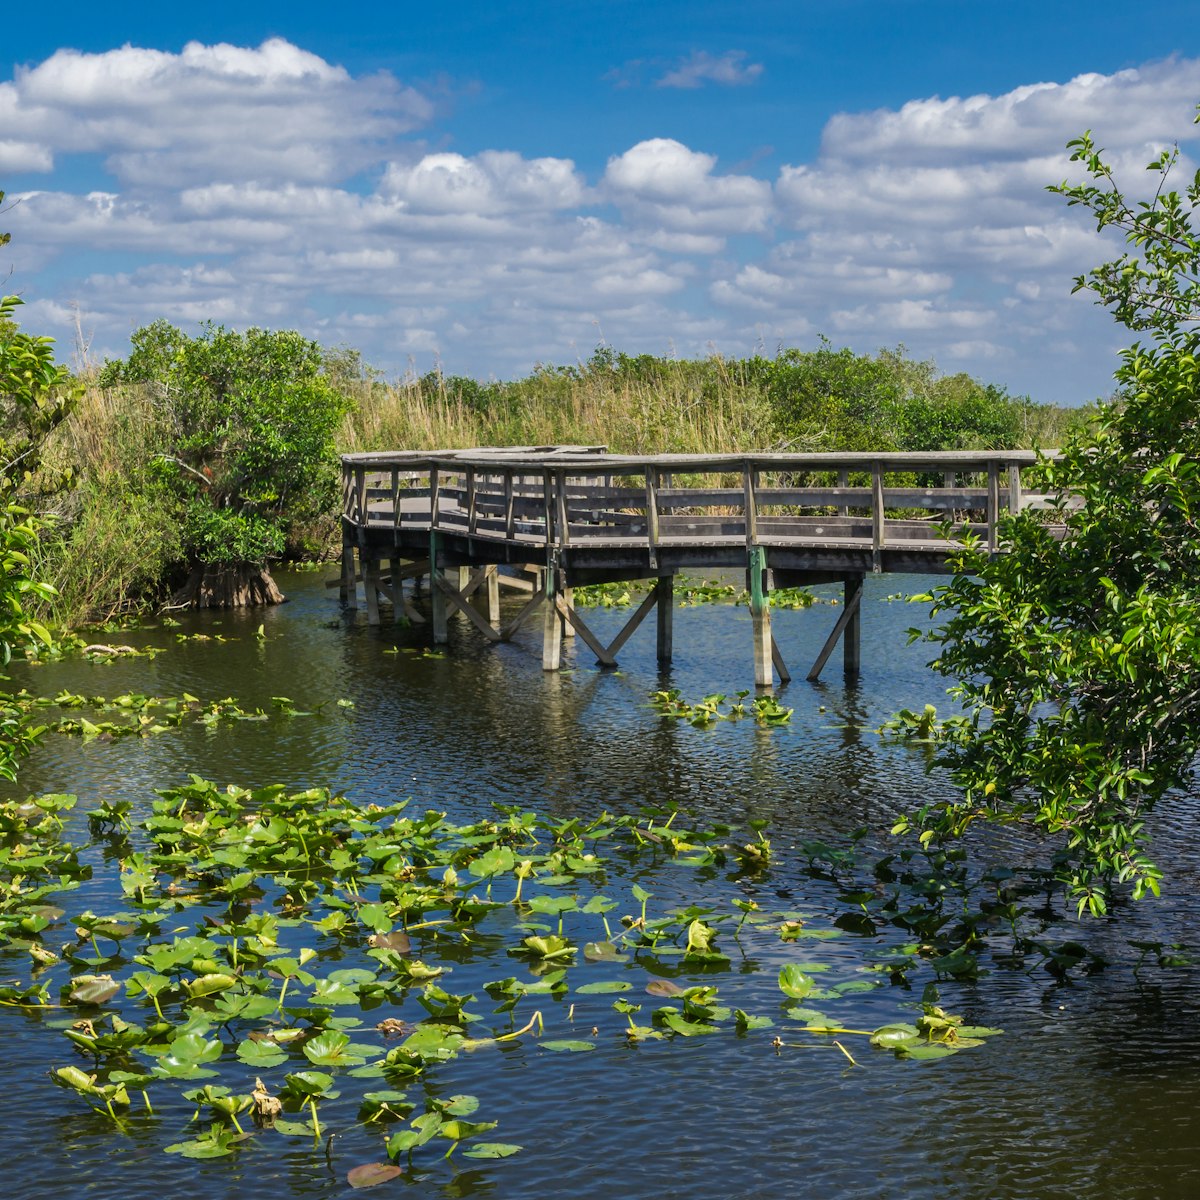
x,y
765,710
278,951
141,715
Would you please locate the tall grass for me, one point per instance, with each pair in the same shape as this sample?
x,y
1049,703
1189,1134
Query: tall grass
x,y
676,407
109,539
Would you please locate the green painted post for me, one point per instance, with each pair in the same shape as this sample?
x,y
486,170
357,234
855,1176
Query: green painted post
x,y
760,616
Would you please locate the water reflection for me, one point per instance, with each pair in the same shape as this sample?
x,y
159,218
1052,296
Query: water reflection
x,y
1091,1092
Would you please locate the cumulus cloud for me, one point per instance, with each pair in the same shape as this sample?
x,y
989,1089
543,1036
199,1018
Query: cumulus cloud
x,y
493,182
209,112
664,183
729,69
268,186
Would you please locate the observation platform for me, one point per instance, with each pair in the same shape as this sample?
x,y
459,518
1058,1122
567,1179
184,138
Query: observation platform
x,y
544,520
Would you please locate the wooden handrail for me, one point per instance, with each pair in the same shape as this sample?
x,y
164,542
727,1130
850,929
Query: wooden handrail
x,y
568,498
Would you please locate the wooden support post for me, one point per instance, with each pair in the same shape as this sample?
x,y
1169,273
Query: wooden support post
x,y
349,585
852,638
664,597
552,623
371,588
760,616
493,596
849,615
437,598
568,595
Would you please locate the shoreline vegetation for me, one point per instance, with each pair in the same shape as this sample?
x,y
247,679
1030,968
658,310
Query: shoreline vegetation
x,y
148,481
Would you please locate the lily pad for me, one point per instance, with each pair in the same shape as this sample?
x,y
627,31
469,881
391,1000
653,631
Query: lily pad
x,y
368,1175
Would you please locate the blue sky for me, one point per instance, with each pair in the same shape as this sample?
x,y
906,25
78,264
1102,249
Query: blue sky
x,y
486,187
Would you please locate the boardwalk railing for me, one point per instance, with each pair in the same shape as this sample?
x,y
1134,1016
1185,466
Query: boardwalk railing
x,y
884,502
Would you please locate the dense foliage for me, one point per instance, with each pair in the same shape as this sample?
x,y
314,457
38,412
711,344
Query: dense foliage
x,y
33,399
1079,659
248,423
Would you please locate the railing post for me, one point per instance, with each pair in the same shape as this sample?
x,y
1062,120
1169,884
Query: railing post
x,y
1014,488
437,601
878,532
750,502
395,505
652,515
993,507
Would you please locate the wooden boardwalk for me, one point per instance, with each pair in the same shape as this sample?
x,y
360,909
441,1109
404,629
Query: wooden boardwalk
x,y
548,519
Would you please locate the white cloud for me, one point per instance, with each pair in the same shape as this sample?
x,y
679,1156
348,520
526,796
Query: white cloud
x,y
268,186
493,182
209,112
729,69
662,183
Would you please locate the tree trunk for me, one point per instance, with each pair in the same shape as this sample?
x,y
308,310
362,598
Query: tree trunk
x,y
243,586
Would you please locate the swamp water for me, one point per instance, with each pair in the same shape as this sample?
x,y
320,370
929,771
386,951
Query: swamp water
x,y
1091,1091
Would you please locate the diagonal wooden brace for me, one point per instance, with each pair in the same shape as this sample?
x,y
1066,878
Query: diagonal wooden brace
x,y
849,612
456,598
607,654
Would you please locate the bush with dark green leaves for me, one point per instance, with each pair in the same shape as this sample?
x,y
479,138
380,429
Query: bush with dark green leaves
x,y
1078,654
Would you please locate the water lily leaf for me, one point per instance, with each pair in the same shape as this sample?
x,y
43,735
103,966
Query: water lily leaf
x,y
664,987
856,985
208,985
977,1031
308,1083
217,1143
811,1016
553,905
93,989
330,991
568,1045
684,1027
457,1130
424,1128
746,1022
261,1054
890,1036
923,1049
491,1150
292,1128
602,986
192,1048
794,982
603,952
334,1049
368,1175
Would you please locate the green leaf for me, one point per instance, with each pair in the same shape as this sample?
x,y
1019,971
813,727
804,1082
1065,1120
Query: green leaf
x,y
794,982
492,1150
603,986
